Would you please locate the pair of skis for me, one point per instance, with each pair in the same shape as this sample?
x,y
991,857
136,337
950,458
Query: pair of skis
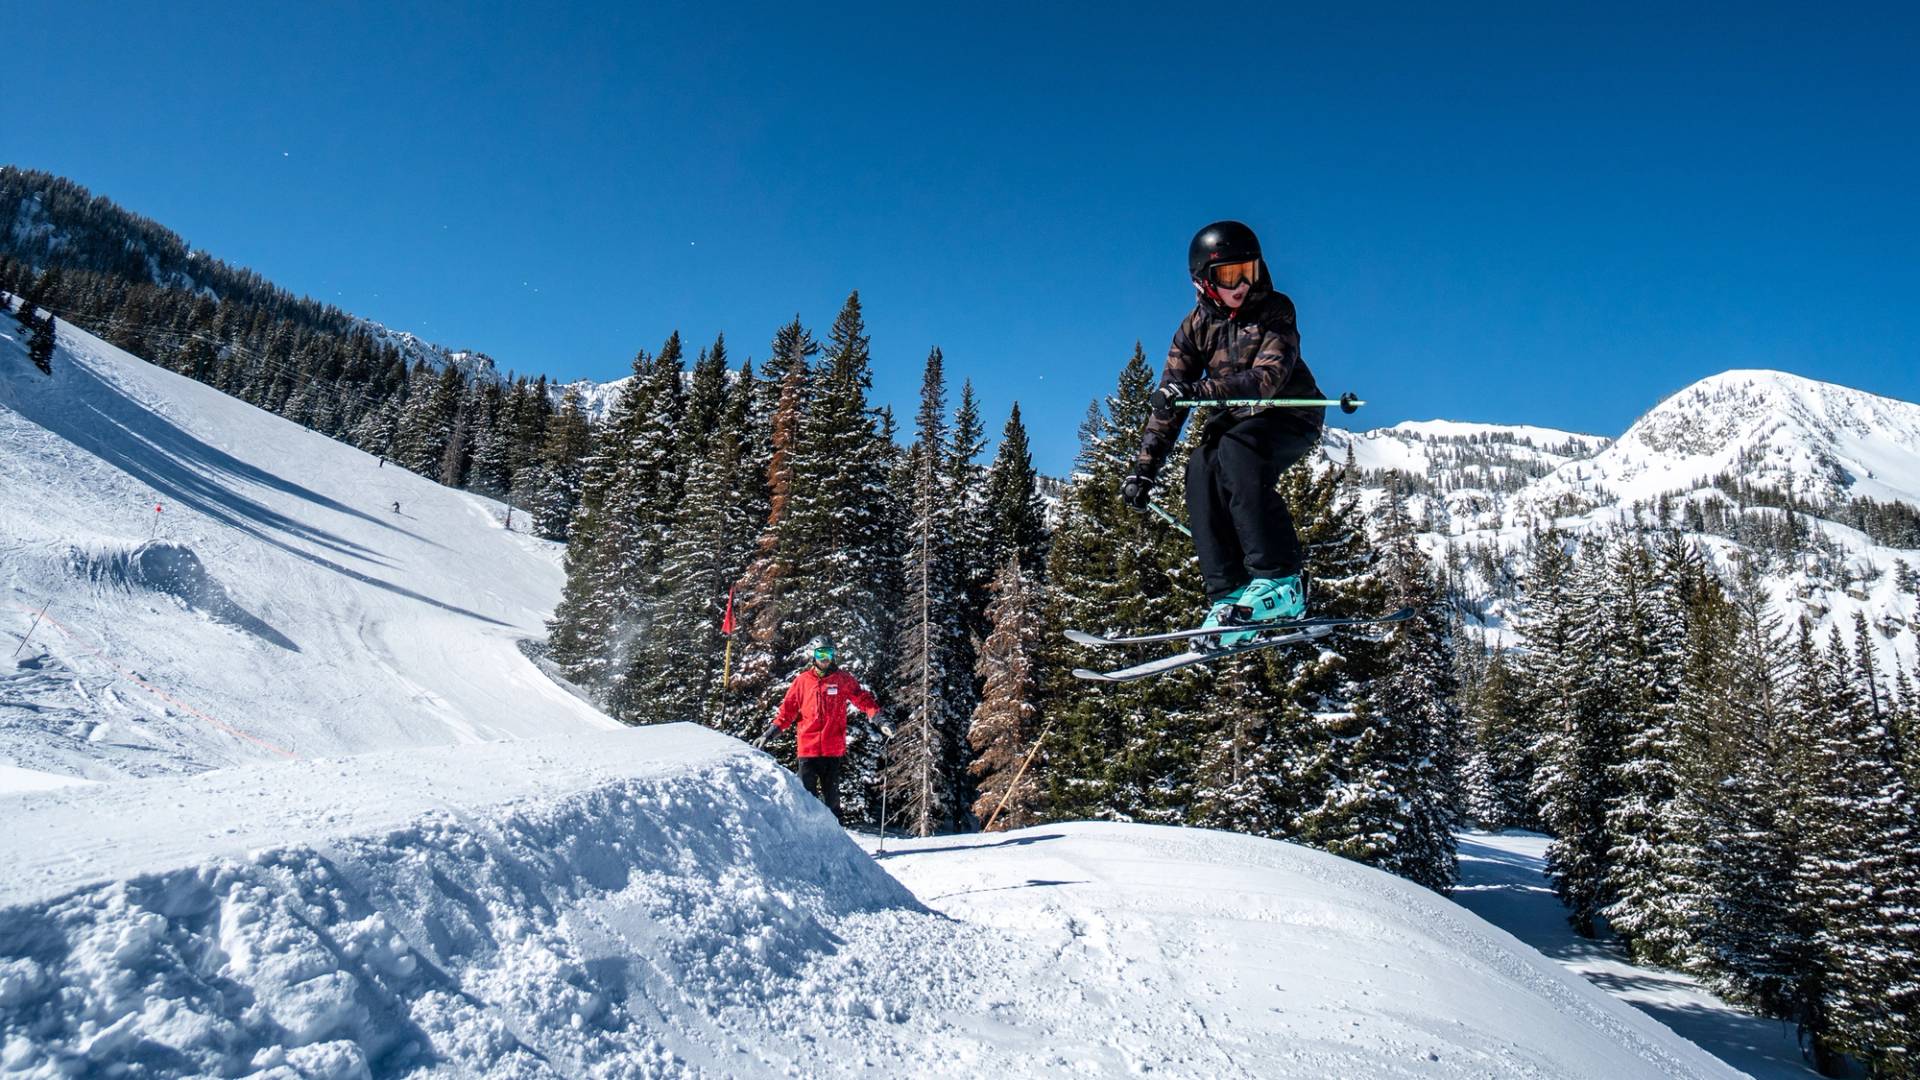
x,y
1272,635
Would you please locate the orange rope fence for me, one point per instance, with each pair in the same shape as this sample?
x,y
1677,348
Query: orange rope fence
x,y
162,694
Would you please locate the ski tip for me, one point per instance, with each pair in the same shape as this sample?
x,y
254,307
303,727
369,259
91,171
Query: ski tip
x,y
1081,637
1090,675
1402,615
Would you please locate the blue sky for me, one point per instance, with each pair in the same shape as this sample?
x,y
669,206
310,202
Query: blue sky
x,y
1516,214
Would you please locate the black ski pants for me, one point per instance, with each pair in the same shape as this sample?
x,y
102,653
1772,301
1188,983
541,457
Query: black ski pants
x,y
1241,528
821,777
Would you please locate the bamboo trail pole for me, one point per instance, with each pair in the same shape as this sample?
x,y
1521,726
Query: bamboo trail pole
x,y
36,625
1018,773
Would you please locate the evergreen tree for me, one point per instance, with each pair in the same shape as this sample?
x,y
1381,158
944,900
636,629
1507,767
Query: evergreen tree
x,y
706,547
1854,880
40,348
551,487
1645,642
1380,784
931,670
627,501
1735,718
765,589
1004,729
835,538
1499,769
1011,510
426,425
1578,745
1125,752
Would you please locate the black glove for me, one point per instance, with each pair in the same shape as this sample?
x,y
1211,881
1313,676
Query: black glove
x,y
885,729
1163,399
1136,488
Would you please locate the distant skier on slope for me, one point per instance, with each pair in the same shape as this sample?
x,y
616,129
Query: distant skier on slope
x,y
1239,342
818,702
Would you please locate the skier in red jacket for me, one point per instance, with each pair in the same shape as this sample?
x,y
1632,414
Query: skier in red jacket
x,y
818,701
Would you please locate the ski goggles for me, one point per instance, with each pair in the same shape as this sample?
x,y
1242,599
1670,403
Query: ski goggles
x,y
823,655
1233,275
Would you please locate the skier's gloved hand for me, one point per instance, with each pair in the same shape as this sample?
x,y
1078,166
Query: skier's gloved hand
x,y
1137,487
1170,391
880,724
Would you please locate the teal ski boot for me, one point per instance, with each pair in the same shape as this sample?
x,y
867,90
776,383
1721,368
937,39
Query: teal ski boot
x,y
1225,612
1272,600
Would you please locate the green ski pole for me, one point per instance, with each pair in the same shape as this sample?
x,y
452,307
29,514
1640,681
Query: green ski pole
x,y
1347,402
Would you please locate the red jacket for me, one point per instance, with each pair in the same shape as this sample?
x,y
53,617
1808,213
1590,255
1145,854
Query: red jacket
x,y
819,702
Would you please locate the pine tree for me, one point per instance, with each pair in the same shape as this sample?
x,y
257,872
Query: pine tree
x,y
426,424
1735,718
1005,728
1381,785
1498,773
1124,753
706,548
1645,633
40,349
835,536
1015,520
762,599
1578,745
627,501
551,491
930,663
1854,881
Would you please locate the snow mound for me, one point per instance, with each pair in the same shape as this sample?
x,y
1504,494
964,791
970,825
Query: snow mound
x,y
222,586
480,910
667,902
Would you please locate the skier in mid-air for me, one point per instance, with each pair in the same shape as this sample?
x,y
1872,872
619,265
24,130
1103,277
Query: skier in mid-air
x,y
1238,343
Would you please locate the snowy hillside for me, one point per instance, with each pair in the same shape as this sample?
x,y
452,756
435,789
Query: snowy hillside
x,y
1461,474
666,902
276,606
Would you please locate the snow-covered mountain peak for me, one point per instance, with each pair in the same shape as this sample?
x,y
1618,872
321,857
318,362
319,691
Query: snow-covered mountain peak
x,y
1766,429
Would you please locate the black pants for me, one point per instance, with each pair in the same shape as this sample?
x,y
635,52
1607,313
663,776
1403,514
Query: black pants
x,y
821,777
1241,528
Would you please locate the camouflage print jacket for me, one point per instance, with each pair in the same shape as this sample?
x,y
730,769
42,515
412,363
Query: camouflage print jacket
x,y
1250,353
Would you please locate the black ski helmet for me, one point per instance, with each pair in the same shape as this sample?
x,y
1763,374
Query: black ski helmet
x,y
1219,243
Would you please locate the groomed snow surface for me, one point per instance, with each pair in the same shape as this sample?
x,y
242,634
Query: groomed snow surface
x,y
667,902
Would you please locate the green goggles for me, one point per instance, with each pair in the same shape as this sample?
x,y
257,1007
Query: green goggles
x,y
823,655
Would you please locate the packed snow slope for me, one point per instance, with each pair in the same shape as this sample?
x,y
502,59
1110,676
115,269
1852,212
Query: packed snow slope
x,y
667,902
276,606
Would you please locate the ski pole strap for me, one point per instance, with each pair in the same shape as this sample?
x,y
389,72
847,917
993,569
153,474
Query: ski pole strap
x,y
1346,402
